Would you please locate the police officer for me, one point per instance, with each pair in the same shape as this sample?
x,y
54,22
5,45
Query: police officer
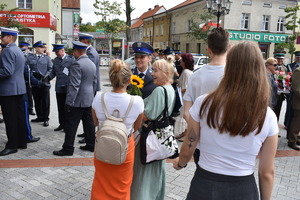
x,y
80,94
40,66
12,89
178,62
60,70
292,66
142,57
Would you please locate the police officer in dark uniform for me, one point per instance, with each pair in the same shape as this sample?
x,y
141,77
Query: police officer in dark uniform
x,y
178,62
12,89
80,94
60,70
142,57
40,66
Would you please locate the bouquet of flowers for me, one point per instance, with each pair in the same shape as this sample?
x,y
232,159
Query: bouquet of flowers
x,y
283,80
137,84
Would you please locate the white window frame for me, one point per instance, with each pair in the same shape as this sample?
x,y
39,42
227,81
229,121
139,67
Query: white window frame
x,y
25,4
162,29
245,21
266,19
280,24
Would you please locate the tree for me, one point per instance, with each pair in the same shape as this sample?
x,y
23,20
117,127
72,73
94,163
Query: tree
x,y
110,24
88,27
8,19
129,10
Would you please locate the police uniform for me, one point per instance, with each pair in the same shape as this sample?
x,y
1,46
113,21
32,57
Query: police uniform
x,y
40,67
93,56
142,48
178,62
12,89
80,94
60,70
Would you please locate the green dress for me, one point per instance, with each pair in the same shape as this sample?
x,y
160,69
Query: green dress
x,y
149,180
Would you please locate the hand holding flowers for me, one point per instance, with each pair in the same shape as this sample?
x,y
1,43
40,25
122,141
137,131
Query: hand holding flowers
x,y
137,84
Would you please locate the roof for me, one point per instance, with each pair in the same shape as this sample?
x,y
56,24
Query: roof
x,y
185,3
149,13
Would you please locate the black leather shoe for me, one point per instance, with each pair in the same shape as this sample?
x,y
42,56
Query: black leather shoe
x,y
81,135
33,139
5,152
46,123
37,120
58,128
87,148
62,152
82,141
22,147
30,112
294,146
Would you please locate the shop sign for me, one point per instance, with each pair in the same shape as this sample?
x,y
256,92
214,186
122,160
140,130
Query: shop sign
x,y
32,19
257,36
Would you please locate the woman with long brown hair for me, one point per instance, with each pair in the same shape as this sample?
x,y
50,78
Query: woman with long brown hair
x,y
232,126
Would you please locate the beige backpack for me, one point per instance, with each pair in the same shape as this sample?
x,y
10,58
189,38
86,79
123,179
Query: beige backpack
x,y
111,143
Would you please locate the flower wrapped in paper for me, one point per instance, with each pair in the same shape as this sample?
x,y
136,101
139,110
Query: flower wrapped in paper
x,y
283,80
137,84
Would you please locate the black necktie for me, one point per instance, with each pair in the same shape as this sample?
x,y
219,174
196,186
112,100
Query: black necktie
x,y
141,75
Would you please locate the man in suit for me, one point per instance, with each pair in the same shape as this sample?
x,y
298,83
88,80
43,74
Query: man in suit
x,y
12,89
40,66
294,129
60,70
80,93
142,57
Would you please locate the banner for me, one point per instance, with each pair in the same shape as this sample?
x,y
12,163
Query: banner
x,y
76,23
258,36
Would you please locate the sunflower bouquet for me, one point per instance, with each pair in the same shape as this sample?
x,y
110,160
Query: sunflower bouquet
x,y
137,84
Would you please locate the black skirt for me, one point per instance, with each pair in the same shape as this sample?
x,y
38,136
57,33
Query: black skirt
x,y
211,186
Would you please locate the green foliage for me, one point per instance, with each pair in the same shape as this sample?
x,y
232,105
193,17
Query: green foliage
x,y
9,20
107,10
88,27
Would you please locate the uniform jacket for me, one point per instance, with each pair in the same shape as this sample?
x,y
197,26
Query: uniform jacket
x,y
59,70
82,83
12,63
94,56
292,66
149,86
42,66
296,89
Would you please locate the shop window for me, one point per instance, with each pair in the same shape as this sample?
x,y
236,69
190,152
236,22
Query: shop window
x,y
280,24
245,21
25,4
26,34
265,23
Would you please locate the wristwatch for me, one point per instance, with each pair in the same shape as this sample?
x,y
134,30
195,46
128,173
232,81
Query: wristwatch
x,y
181,166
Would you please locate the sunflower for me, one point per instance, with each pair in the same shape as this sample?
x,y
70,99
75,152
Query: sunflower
x,y
137,81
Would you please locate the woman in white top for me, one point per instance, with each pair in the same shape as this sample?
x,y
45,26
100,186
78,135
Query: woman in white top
x,y
232,126
114,181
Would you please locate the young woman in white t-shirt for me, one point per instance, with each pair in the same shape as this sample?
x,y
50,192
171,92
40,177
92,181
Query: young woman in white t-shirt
x,y
232,126
114,181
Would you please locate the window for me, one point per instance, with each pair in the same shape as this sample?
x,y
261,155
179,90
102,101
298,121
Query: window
x,y
245,21
280,23
25,4
265,23
162,29
268,5
247,2
174,27
156,30
189,25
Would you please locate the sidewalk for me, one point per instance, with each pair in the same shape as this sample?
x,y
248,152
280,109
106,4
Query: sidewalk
x,y
35,173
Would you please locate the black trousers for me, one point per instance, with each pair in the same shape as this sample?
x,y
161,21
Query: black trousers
x,y
61,100
27,123
72,121
41,96
29,95
277,109
14,119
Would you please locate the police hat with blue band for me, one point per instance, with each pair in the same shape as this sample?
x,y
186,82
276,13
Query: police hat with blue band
x,y
8,31
79,45
23,43
57,47
38,44
142,48
85,36
168,51
177,51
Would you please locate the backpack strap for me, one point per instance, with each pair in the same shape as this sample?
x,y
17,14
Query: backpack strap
x,y
129,107
104,106
165,111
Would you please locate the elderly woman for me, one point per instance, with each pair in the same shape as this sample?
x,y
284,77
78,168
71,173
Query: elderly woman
x,y
271,66
231,126
149,180
187,64
114,181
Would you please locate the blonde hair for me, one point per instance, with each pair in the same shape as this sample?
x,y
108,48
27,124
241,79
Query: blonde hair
x,y
239,104
166,66
119,73
271,60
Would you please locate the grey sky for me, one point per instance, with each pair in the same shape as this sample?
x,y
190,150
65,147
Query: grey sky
x,y
141,6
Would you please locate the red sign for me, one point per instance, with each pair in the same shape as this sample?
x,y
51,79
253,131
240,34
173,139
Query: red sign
x,y
32,19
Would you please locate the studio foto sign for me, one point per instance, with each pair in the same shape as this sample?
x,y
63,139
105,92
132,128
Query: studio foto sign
x,y
32,19
258,37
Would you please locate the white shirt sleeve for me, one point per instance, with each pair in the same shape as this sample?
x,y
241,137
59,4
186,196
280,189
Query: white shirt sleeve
x,y
188,96
195,109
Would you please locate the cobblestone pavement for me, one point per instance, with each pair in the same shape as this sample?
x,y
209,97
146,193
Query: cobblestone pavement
x,y
35,173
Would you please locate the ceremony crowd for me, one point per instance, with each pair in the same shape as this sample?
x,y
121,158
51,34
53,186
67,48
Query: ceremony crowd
x,y
225,113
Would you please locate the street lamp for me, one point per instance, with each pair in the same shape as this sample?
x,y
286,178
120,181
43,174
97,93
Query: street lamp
x,y
218,8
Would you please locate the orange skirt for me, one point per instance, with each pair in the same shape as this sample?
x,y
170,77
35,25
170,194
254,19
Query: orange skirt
x,y
114,181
